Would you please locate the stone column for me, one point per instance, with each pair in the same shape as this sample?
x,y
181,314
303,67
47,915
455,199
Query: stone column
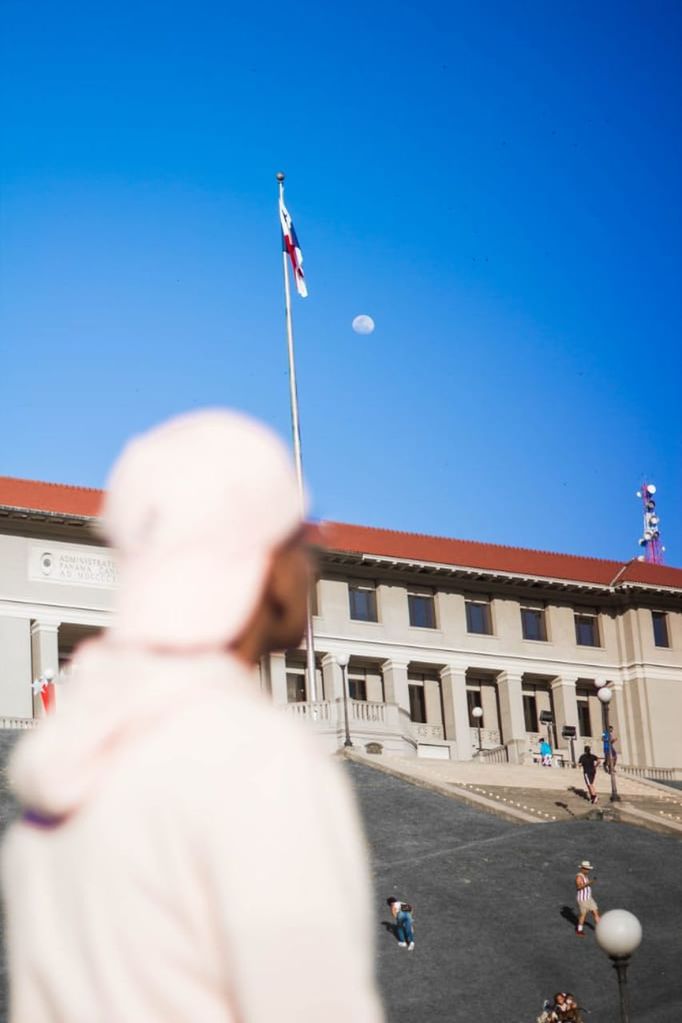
x,y
565,710
395,684
513,725
278,678
332,678
456,710
44,655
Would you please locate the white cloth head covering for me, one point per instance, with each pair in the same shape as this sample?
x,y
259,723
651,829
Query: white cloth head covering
x,y
195,509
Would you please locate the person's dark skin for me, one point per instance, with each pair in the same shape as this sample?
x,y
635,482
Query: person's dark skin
x,y
279,620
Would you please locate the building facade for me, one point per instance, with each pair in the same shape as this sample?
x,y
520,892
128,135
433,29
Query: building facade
x,y
433,629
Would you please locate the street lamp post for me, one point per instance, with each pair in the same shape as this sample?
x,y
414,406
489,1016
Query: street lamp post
x,y
477,712
605,696
619,933
342,661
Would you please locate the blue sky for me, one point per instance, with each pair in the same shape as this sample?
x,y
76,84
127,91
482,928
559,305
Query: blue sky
x,y
497,184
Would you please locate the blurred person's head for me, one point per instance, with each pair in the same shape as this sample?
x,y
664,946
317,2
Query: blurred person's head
x,y
206,518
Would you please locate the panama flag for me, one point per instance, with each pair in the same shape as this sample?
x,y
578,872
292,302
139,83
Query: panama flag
x,y
290,245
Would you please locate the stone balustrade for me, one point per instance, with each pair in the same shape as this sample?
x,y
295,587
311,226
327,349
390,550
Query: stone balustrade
x,y
490,738
322,711
424,731
363,710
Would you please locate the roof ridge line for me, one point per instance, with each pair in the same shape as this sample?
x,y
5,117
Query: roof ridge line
x,y
480,543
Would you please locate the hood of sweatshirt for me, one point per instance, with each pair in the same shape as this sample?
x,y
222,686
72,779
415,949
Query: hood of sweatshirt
x,y
115,696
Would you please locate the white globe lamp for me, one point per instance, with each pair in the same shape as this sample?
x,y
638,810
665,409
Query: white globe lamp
x,y
619,933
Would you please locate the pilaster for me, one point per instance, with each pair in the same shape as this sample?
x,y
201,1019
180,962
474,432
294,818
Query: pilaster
x,y
15,644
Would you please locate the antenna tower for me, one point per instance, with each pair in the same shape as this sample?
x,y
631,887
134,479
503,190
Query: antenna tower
x,y
650,539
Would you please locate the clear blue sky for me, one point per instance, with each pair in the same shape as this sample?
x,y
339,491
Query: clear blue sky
x,y
497,184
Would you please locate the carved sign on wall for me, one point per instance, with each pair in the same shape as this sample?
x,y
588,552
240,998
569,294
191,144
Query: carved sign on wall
x,y
74,566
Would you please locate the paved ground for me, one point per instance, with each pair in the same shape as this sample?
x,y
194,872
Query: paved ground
x,y
494,903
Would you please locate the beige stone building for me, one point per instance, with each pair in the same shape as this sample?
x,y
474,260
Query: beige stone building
x,y
432,628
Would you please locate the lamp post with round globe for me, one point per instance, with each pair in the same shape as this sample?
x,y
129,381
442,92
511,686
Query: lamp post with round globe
x,y
477,712
605,695
342,661
619,933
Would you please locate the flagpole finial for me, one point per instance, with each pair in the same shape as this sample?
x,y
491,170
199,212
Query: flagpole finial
x,y
280,176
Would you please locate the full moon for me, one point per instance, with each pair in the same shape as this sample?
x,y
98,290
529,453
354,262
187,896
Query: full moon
x,y
363,324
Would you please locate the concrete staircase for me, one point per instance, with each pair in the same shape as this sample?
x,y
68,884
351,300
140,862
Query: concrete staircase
x,y
534,794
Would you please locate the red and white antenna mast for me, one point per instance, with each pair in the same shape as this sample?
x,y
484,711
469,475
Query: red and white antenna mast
x,y
650,539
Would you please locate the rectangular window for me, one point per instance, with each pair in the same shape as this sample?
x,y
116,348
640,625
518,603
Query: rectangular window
x,y
586,629
478,617
363,602
530,713
296,687
417,704
357,688
422,610
314,604
584,723
660,623
533,623
474,700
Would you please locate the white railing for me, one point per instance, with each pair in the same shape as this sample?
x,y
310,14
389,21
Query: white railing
x,y
17,723
321,710
651,773
361,710
494,756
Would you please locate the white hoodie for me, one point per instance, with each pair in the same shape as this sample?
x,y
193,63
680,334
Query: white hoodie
x,y
187,856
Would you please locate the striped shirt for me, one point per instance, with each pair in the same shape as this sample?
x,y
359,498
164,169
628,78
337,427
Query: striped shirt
x,y
584,893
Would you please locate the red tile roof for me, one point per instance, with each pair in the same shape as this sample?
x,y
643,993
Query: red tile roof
x,y
493,558
58,499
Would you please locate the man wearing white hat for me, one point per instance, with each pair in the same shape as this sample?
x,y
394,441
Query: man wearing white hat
x,y
181,839
584,897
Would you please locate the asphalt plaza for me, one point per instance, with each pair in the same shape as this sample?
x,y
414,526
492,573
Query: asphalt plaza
x,y
494,909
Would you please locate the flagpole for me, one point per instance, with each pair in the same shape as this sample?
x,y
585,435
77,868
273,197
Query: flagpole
x,y
298,460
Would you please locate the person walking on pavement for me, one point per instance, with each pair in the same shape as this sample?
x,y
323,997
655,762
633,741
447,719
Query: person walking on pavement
x,y
610,755
545,753
588,762
584,897
168,789
404,924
